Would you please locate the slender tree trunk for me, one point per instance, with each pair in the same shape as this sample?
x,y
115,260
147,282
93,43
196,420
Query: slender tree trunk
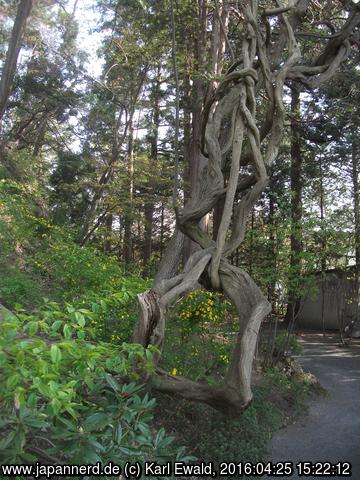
x,y
148,231
108,229
149,202
322,244
120,240
217,215
187,108
356,198
322,219
251,247
201,91
197,162
272,252
128,240
296,208
12,54
219,34
161,230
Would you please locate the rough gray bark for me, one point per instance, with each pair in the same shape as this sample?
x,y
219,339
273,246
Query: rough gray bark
x,y
9,68
150,194
355,172
246,141
196,160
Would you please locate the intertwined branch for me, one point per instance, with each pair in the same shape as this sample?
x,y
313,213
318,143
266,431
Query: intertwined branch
x,y
232,137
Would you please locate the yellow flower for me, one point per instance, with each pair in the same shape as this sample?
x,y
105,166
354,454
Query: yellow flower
x,y
174,371
224,358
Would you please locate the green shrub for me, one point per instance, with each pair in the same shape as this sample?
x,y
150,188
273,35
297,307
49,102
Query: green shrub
x,y
201,310
199,335
292,388
63,397
73,270
53,264
94,281
115,313
17,287
287,341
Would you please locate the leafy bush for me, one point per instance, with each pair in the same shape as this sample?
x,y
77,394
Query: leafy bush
x,y
39,257
287,341
73,270
17,287
197,339
291,387
115,313
64,399
201,309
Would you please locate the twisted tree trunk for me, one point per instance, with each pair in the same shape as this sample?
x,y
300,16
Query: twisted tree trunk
x,y
239,148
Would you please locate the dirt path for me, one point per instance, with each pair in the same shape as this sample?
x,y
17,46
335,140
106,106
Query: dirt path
x,y
331,430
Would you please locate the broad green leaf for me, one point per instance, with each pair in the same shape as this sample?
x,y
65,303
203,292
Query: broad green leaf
x,y
112,382
80,319
32,400
7,440
33,328
12,381
55,354
55,405
44,389
97,420
67,331
35,421
56,325
2,358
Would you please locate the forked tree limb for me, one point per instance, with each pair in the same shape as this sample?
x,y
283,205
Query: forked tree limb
x,y
234,394
154,303
230,122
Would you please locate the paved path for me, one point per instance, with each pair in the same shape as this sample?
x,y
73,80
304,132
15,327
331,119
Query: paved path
x,y
331,430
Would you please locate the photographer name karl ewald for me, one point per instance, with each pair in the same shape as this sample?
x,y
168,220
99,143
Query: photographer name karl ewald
x,y
137,470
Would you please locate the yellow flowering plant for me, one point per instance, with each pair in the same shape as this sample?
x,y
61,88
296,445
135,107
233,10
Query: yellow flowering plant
x,y
198,341
202,309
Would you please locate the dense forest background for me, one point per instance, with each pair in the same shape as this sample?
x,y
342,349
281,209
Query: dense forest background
x,y
97,153
100,109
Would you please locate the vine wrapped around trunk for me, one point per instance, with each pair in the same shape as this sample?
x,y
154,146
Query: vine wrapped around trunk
x,y
240,149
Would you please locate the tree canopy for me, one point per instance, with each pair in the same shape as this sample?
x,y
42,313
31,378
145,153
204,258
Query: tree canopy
x,y
212,164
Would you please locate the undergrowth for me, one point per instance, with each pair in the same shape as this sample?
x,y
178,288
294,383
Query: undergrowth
x,y
63,357
213,437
